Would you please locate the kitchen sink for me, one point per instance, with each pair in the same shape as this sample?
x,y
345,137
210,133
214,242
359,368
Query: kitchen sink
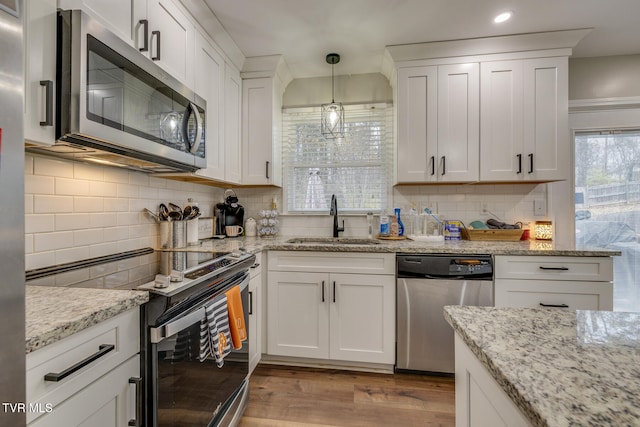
x,y
334,240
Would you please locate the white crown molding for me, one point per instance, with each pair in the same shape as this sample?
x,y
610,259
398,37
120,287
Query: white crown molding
x,y
600,104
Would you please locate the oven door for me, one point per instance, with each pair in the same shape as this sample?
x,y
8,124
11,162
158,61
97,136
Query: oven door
x,y
185,391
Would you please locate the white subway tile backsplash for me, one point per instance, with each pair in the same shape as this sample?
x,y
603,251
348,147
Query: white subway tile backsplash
x,y
72,187
103,189
88,171
88,204
39,223
28,165
76,253
28,243
139,179
128,218
116,279
52,241
102,220
52,204
52,167
102,249
88,237
128,190
116,175
115,234
28,203
39,260
39,184
72,221
104,269
115,205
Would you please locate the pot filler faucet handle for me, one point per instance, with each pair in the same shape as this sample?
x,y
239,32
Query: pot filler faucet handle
x,y
334,211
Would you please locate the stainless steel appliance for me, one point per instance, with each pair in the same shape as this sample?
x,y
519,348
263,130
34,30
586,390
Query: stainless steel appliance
x,y
181,390
230,212
116,106
12,356
426,283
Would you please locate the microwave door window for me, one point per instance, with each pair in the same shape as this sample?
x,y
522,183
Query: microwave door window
x,y
123,96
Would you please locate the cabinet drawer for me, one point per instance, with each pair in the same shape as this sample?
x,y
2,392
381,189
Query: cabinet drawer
x,y
338,262
533,293
122,332
554,268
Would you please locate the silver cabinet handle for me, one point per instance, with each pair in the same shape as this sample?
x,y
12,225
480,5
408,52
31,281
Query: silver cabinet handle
x,y
137,422
156,33
554,305
145,25
59,376
554,268
48,102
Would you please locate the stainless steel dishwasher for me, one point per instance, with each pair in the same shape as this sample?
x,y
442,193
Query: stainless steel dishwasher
x,y
426,283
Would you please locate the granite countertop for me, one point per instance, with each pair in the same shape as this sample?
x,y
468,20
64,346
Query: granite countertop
x,y
356,244
53,313
561,368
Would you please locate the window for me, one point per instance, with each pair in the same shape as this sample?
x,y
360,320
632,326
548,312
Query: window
x,y
607,198
356,168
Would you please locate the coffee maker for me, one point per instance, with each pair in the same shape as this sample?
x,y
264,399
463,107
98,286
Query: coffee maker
x,y
229,212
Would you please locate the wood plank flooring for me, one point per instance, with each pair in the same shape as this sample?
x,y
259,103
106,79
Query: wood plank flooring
x,y
282,396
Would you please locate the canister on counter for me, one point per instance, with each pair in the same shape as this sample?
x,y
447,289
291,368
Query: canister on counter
x,y
452,229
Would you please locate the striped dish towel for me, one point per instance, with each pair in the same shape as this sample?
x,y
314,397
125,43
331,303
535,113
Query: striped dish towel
x,y
215,337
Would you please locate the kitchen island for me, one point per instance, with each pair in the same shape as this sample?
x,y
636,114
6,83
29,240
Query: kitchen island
x,y
555,367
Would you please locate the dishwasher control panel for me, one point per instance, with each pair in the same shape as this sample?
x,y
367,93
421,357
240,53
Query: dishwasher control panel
x,y
445,266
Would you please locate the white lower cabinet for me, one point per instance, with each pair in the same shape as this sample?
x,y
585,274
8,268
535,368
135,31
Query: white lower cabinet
x,y
480,401
576,283
103,392
330,314
255,319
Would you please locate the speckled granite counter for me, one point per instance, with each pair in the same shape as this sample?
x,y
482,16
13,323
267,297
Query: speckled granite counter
x,y
281,243
53,313
561,368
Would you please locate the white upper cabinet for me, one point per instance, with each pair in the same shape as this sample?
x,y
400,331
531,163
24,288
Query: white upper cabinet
x,y
524,130
438,123
40,71
169,39
261,118
232,125
209,84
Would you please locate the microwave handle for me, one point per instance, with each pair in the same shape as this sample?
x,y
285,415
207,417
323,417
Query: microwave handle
x,y
192,145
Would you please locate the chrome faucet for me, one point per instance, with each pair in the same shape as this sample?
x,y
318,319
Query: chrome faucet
x,y
334,212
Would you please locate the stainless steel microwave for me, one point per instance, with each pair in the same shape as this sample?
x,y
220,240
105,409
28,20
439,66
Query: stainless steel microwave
x,y
116,106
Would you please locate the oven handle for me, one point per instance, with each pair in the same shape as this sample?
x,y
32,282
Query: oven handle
x,y
180,323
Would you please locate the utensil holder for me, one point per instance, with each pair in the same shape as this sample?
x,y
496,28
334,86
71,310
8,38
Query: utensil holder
x,y
173,234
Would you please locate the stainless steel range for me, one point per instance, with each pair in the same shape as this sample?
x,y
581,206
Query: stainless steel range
x,y
181,389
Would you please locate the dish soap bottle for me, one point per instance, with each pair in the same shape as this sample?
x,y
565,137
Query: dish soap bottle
x,y
400,225
384,224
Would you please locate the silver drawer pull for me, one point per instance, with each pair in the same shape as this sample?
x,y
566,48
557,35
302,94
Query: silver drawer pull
x,y
59,376
555,268
554,305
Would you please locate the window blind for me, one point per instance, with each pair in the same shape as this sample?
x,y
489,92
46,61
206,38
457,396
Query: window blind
x,y
356,168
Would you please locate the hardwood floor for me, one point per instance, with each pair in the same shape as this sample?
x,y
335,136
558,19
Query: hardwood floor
x,y
291,396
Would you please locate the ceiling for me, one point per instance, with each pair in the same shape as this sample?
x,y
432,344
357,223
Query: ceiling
x,y
304,31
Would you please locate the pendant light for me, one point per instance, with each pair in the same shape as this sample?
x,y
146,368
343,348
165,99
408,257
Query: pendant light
x,y
332,122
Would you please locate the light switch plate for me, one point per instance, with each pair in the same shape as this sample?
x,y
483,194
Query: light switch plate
x,y
540,207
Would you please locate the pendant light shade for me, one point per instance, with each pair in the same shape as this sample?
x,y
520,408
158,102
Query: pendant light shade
x,y
332,122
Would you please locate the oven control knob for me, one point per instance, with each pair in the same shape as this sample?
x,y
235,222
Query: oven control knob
x,y
161,281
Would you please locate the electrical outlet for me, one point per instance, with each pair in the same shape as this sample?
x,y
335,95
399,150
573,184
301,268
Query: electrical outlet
x,y
540,207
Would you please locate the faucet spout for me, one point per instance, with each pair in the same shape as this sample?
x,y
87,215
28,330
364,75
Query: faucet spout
x,y
334,212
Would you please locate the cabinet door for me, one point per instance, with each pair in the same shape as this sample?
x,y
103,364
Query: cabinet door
x,y
417,124
501,127
546,129
362,318
255,322
108,402
172,47
232,123
117,15
257,131
209,84
40,71
458,122
298,314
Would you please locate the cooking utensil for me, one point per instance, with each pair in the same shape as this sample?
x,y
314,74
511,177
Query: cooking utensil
x,y
191,212
153,214
164,212
175,216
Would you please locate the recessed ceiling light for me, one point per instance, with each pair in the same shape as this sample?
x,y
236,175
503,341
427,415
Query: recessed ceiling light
x,y
504,16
